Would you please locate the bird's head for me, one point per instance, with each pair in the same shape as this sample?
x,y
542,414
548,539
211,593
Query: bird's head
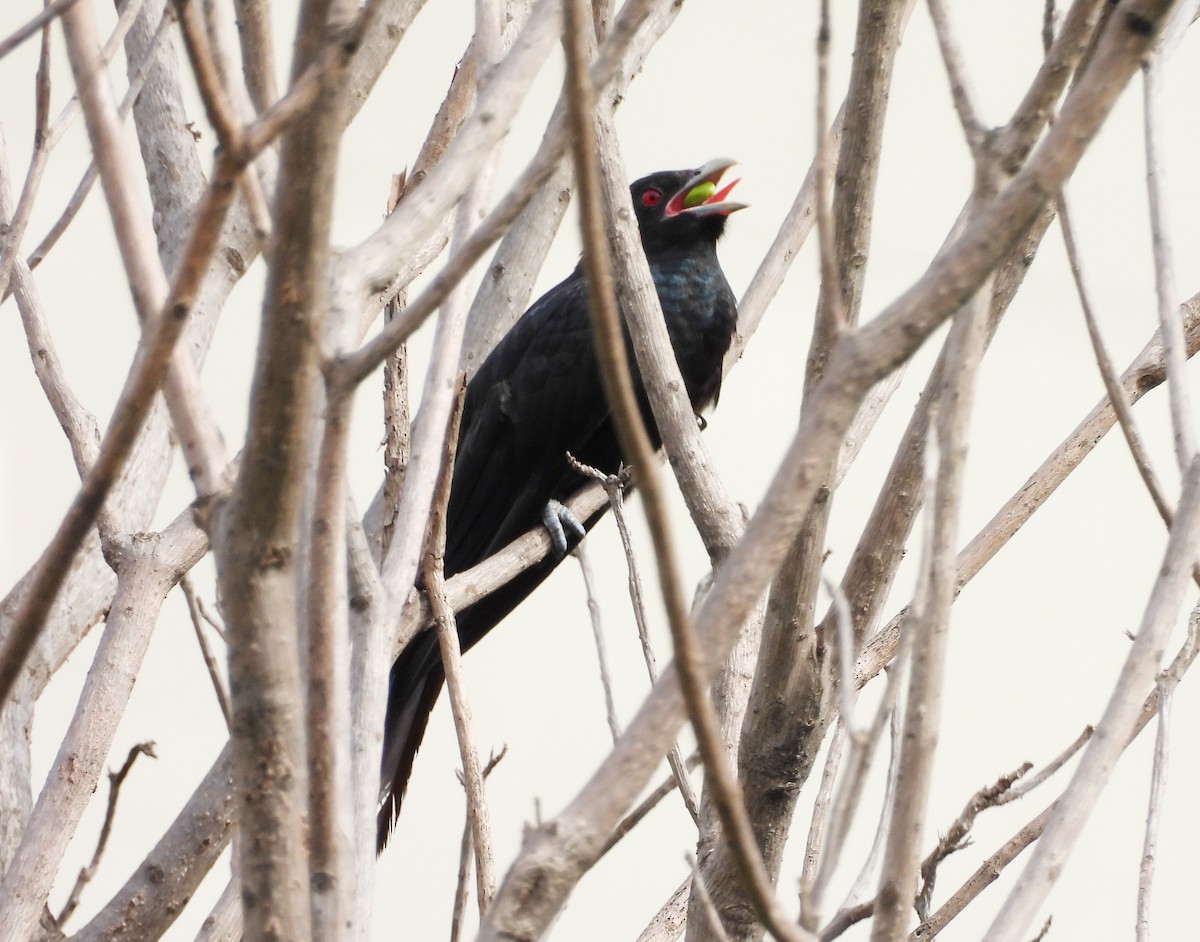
x,y
681,207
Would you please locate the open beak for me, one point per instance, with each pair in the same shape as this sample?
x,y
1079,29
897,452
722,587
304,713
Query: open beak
x,y
700,196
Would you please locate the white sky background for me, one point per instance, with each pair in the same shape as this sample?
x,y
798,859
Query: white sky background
x,y
1037,639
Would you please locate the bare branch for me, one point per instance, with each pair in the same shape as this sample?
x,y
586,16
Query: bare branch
x,y
149,566
259,544
448,643
210,663
593,605
52,10
155,894
1182,411
960,92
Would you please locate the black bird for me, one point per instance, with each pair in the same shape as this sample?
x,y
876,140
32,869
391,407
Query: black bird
x,y
536,397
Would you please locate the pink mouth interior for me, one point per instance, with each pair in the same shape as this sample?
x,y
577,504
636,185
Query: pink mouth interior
x,y
676,203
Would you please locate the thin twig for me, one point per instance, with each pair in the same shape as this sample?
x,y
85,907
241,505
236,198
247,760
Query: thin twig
x,y
593,605
831,271
635,445
648,804
210,663
1108,370
115,781
91,174
397,430
1179,393
810,903
957,836
1168,680
614,486
22,33
465,853
1029,783
960,92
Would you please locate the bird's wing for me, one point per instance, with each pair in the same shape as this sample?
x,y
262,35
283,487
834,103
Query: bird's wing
x,y
535,398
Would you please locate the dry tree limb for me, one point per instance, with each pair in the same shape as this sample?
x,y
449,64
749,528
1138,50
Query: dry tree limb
x,y
922,705
704,903
791,691
648,804
332,884
397,427
150,565
635,445
224,920
810,902
259,540
155,894
668,923
448,643
258,51
465,851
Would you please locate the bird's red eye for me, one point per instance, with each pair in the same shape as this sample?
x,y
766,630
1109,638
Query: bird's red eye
x,y
651,197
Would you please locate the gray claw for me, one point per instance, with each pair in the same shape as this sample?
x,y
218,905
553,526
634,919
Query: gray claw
x,y
564,528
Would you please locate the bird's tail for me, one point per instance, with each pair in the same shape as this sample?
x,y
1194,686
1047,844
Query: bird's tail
x,y
416,680
413,688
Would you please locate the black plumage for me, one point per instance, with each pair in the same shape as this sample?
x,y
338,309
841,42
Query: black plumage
x,y
539,396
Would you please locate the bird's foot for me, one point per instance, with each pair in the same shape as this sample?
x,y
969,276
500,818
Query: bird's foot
x,y
563,527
